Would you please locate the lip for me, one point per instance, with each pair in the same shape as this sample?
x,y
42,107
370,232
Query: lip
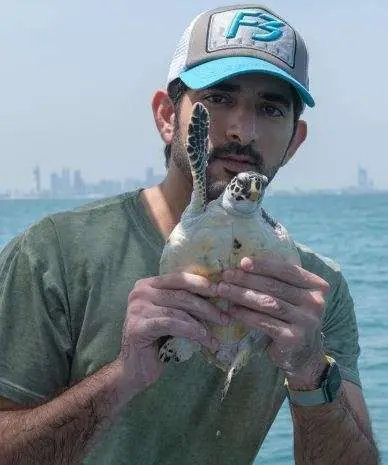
x,y
238,158
236,164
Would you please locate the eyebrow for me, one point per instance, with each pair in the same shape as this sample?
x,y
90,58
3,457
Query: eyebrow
x,y
276,98
269,96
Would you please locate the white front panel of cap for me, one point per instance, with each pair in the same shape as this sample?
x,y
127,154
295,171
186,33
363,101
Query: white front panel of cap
x,y
252,28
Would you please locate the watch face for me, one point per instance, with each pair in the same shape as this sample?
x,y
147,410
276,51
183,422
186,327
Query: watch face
x,y
333,382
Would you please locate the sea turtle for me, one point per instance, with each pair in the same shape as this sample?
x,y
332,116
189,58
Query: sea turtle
x,y
214,236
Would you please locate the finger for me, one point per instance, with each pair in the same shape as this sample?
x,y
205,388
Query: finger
x,y
274,328
284,271
196,306
154,328
186,281
273,287
258,302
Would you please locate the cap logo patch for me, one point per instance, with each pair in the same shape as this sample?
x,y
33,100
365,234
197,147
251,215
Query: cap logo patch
x,y
268,26
252,28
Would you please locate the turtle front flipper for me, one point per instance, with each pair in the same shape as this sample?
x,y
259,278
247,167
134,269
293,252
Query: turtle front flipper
x,y
197,147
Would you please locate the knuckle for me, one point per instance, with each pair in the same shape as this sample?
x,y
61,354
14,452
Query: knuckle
x,y
155,325
165,294
300,295
278,308
139,289
272,288
134,295
167,312
272,303
168,295
181,296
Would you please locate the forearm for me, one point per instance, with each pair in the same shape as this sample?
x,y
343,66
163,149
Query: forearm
x,y
330,434
62,430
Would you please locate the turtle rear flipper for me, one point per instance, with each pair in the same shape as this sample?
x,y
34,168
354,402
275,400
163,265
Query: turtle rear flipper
x,y
178,349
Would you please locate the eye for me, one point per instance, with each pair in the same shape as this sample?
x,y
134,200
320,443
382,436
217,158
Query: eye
x,y
272,110
218,98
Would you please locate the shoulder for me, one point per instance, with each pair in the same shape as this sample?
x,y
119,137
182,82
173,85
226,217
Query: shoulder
x,y
75,228
102,218
323,266
118,205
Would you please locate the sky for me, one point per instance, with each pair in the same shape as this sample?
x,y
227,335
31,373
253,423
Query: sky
x,y
77,78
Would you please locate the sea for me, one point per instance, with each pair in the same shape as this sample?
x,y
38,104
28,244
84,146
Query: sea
x,y
352,230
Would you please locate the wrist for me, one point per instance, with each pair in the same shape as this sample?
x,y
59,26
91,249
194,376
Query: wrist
x,y
310,376
123,384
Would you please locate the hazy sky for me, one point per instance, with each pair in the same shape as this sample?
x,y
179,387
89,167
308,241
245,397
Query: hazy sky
x,y
77,77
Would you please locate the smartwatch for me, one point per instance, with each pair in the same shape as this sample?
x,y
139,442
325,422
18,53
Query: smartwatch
x,y
325,394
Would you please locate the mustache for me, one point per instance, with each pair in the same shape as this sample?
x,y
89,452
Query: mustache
x,y
234,148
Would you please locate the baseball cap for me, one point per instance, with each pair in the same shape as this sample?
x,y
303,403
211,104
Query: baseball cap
x,y
231,40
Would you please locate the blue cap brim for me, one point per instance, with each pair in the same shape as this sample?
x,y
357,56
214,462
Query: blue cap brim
x,y
211,72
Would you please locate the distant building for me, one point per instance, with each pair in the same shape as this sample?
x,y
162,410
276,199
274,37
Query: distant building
x,y
36,173
363,180
79,186
66,189
55,185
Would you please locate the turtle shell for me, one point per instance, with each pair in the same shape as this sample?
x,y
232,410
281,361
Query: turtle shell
x,y
216,240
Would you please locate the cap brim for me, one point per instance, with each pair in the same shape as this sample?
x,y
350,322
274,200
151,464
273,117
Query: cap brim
x,y
211,72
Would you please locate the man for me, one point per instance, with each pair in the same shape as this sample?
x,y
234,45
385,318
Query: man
x,y
82,308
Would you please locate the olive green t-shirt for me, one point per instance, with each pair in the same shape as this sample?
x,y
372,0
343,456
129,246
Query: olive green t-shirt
x,y
64,285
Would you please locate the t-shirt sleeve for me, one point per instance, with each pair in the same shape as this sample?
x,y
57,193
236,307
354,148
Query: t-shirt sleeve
x,y
339,320
340,329
35,330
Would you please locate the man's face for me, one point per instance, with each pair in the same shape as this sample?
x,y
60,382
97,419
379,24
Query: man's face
x,y
251,127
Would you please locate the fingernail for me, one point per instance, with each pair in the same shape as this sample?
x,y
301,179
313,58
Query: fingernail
x,y
247,264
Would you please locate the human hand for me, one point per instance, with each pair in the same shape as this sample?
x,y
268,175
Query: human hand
x,y
168,305
286,302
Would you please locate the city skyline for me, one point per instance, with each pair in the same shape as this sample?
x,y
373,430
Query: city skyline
x,y
70,182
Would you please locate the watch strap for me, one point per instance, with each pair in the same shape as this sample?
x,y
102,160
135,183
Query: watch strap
x,y
307,398
313,397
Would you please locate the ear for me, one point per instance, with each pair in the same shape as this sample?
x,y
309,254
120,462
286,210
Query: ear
x,y
164,115
297,140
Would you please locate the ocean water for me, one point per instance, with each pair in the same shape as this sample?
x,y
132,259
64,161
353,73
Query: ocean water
x,y
353,230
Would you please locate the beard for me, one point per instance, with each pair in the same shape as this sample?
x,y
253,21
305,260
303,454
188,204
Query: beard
x,y
216,184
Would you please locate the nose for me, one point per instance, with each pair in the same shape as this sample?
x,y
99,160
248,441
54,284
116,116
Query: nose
x,y
242,125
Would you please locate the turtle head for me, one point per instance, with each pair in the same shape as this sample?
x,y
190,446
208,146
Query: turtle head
x,y
246,190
